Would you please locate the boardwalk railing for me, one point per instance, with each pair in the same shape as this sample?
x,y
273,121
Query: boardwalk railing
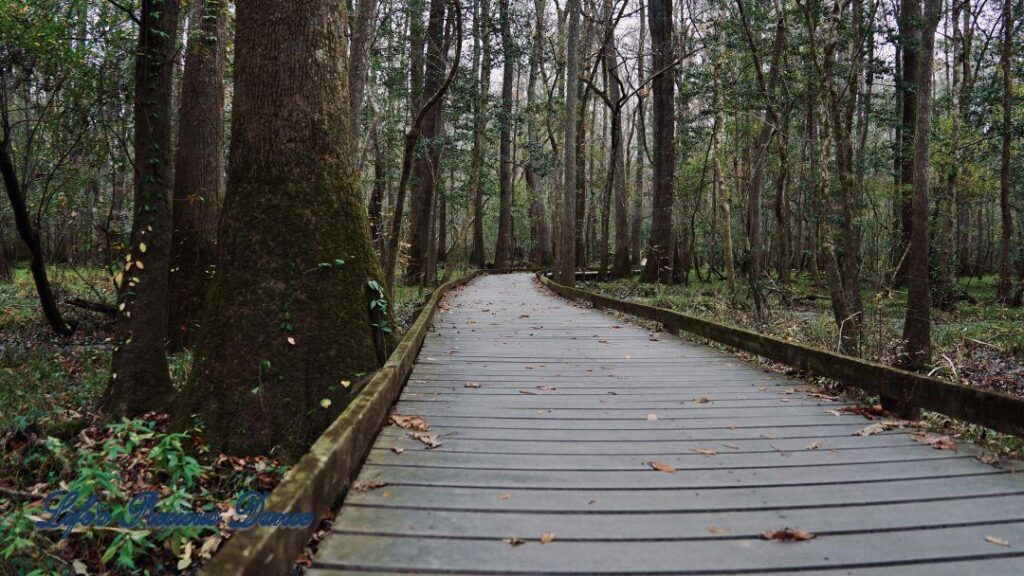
x,y
995,410
316,481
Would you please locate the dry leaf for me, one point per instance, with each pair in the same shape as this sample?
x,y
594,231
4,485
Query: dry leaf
x,y
291,341
547,537
472,385
368,485
787,535
428,440
397,450
652,417
706,451
731,446
936,441
409,422
528,392
989,458
879,427
514,541
718,530
813,446
996,541
504,497
662,467
703,400
783,399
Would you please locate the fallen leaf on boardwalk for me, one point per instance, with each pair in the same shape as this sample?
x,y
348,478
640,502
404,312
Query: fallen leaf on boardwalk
x,y
762,389
514,541
822,396
789,391
592,502
787,535
989,458
870,412
368,485
472,385
879,427
662,467
706,451
409,422
397,450
731,446
546,388
783,399
813,446
547,537
652,417
652,338
602,341
718,530
527,392
935,441
833,412
628,357
428,440
996,541
703,400
504,496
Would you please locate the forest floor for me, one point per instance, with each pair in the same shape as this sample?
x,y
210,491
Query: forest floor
x,y
53,435
979,342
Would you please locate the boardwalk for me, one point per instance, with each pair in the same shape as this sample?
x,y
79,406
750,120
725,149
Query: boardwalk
x,y
550,417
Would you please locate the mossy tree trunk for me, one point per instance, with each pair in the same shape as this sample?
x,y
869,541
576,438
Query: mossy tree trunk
x,y
139,378
199,169
503,247
288,327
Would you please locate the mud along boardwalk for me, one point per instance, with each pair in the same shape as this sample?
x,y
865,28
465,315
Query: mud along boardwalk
x,y
553,419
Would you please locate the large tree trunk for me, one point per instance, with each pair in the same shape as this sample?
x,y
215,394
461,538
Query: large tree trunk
x,y
503,247
659,263
296,271
139,379
567,237
909,28
1006,220
199,170
917,327
481,62
428,161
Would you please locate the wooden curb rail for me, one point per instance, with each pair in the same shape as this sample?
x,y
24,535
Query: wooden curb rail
x,y
316,481
1001,412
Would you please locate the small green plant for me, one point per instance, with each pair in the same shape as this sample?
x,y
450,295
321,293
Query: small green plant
x,y
379,305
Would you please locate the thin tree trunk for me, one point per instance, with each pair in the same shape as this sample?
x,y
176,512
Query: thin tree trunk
x,y
425,175
481,62
199,170
27,232
1006,220
538,215
909,29
567,236
917,326
359,49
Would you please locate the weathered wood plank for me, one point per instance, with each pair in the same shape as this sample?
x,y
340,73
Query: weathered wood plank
x,y
569,457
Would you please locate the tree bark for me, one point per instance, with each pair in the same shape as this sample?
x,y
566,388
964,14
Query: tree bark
x,y
503,247
541,256
659,263
909,29
199,170
481,62
297,284
139,379
428,160
917,326
1005,211
359,49
567,240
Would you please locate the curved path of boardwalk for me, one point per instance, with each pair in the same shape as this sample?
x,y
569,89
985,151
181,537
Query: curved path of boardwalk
x,y
551,418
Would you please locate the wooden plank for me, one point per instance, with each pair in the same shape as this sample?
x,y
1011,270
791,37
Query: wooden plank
x,y
717,556
995,410
571,458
